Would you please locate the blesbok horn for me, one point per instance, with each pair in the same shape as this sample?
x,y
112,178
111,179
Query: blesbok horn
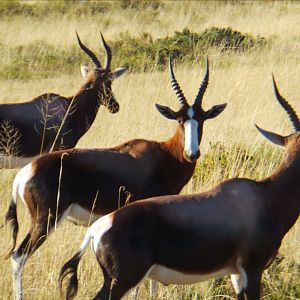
x,y
108,54
287,107
92,56
204,84
176,86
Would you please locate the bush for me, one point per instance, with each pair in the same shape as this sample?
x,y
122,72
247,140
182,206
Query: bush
x,y
143,52
42,60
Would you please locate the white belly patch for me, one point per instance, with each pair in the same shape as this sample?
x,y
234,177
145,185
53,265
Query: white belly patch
x,y
167,276
81,216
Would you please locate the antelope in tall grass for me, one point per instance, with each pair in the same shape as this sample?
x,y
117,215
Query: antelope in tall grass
x,y
235,228
36,122
84,184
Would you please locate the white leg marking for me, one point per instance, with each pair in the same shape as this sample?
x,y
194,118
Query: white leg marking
x,y
239,281
191,146
18,264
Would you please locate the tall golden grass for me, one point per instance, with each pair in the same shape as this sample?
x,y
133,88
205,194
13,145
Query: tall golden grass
x,y
241,80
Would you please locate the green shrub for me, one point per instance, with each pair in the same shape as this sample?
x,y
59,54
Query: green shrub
x,y
142,53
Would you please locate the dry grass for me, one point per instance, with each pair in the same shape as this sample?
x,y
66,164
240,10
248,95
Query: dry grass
x,y
243,81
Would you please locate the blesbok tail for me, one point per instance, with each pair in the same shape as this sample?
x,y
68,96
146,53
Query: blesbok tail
x,y
70,268
11,216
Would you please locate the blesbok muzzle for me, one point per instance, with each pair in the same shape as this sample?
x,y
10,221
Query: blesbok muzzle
x,y
113,107
111,104
191,157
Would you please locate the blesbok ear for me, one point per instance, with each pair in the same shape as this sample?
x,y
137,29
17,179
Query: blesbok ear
x,y
118,72
166,111
215,111
84,70
272,137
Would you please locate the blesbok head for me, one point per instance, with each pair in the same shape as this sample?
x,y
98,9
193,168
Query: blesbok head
x,y
190,117
286,141
101,78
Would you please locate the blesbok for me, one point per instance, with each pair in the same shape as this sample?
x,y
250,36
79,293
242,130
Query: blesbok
x,y
235,228
84,184
33,125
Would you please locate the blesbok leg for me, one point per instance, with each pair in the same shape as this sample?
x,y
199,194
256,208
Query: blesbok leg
x,y
18,260
33,240
105,289
238,281
252,290
118,289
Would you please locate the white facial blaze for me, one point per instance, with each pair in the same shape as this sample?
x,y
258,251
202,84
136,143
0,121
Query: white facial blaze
x,y
191,134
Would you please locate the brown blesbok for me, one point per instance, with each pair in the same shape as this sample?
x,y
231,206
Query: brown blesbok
x,y
233,229
84,184
34,125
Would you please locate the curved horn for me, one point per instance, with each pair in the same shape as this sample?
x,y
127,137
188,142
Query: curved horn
x,y
176,86
287,107
108,53
89,53
204,84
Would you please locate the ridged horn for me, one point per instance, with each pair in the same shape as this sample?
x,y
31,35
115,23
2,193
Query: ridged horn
x,y
204,84
176,86
108,53
287,107
92,56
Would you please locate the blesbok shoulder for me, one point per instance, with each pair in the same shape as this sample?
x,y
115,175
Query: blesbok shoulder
x,y
94,182
34,124
233,229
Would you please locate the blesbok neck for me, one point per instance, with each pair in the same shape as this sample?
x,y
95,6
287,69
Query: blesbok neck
x,y
180,168
86,105
175,144
285,187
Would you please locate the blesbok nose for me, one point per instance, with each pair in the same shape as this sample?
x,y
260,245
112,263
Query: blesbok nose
x,y
114,107
191,157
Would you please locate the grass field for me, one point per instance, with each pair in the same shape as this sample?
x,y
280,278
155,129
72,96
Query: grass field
x,y
230,147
